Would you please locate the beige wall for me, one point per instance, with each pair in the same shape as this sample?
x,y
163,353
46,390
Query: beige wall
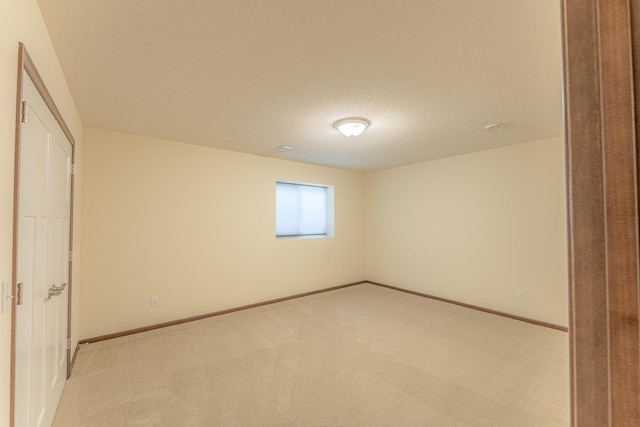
x,y
20,20
475,228
196,227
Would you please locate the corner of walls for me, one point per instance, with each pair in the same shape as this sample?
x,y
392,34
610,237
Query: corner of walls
x,y
475,228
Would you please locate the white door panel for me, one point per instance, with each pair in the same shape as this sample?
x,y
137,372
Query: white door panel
x,y
43,244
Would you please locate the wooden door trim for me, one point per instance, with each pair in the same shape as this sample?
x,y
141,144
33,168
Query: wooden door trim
x,y
603,212
26,65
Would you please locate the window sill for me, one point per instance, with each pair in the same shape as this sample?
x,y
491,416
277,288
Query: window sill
x,y
322,236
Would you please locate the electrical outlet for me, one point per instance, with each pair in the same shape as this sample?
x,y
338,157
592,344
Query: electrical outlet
x,y
155,301
520,295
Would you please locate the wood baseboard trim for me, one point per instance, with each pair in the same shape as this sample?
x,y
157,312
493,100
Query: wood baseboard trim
x,y
474,307
207,315
277,300
73,359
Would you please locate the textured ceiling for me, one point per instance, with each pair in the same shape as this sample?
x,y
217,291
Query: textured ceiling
x,y
251,75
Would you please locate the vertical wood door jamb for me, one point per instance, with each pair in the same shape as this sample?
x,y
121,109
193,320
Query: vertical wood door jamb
x,y
603,212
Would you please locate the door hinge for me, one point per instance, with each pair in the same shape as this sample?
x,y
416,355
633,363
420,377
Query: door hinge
x,y
73,169
68,343
24,117
19,294
70,256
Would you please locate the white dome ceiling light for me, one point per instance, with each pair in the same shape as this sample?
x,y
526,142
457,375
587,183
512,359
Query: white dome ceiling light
x,y
351,126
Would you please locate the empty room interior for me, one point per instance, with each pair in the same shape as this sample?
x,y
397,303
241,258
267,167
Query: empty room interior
x,y
235,259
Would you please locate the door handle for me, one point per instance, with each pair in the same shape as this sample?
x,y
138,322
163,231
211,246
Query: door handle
x,y
54,290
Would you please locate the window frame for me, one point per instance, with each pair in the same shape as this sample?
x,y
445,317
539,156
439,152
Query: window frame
x,y
329,202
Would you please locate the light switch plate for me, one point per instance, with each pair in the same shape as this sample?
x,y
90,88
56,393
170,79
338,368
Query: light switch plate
x,y
6,295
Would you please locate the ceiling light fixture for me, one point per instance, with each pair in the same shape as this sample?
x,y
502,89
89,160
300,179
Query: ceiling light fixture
x,y
351,126
493,126
285,148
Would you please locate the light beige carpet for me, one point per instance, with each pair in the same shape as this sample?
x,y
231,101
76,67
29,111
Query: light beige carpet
x,y
359,356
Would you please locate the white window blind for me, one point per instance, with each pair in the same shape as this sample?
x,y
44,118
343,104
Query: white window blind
x,y
301,210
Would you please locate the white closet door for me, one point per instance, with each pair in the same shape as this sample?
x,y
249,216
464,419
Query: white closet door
x,y
44,204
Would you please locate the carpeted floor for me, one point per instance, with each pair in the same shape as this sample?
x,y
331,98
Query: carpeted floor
x,y
358,356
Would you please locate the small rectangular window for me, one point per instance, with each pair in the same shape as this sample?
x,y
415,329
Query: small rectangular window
x,y
303,210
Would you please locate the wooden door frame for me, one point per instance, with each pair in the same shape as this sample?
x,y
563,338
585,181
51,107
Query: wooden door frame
x,y
599,77
27,66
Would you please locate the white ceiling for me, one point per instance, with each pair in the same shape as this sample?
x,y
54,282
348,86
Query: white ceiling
x,y
251,75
